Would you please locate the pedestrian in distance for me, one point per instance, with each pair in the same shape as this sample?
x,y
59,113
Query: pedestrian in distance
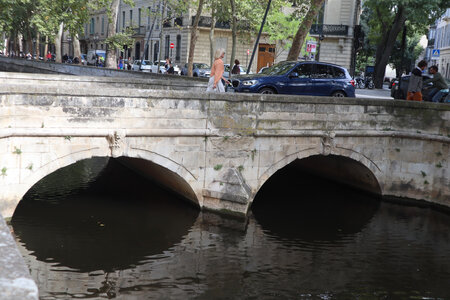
x,y
129,64
120,67
416,82
215,80
440,87
236,68
170,69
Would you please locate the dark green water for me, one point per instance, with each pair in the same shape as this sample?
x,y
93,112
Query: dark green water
x,y
96,230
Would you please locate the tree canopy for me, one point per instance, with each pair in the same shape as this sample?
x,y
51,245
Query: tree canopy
x,y
387,20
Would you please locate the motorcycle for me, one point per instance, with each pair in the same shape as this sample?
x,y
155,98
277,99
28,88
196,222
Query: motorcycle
x,y
369,82
359,83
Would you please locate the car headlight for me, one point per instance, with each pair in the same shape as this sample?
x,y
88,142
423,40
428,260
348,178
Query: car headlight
x,y
249,82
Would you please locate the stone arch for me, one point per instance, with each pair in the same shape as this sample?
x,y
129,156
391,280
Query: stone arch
x,y
349,154
177,170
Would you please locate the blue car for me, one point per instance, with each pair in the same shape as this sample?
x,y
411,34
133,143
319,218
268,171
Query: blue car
x,y
298,78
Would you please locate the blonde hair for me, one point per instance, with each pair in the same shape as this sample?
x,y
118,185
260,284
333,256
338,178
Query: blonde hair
x,y
218,53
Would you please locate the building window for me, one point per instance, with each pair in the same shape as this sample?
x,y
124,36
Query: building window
x,y
131,17
123,19
167,46
103,25
139,17
178,55
92,29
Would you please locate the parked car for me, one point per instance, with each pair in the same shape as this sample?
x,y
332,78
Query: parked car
x,y
198,70
139,65
399,89
298,78
227,70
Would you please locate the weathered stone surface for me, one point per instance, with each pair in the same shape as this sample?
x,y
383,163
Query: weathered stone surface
x,y
197,136
15,280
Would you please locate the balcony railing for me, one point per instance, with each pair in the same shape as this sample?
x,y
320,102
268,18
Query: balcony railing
x,y
140,30
326,29
206,22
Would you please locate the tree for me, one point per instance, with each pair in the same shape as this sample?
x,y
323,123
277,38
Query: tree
x,y
389,18
303,29
194,37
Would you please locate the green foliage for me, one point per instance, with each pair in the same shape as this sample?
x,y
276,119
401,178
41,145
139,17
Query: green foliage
x,y
17,151
217,167
380,15
121,40
4,169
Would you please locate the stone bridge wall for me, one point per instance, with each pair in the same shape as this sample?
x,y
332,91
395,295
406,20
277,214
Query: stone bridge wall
x,y
219,149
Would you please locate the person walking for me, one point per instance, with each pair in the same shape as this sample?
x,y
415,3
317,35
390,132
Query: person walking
x,y
440,87
236,68
215,80
416,82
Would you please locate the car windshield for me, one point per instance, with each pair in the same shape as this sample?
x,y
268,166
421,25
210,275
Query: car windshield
x,y
201,66
280,68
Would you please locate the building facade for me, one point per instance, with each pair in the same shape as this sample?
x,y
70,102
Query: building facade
x,y
439,39
334,31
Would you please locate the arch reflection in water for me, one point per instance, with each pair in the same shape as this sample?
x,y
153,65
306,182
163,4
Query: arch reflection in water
x,y
112,222
296,205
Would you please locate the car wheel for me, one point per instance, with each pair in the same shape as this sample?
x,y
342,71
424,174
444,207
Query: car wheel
x,y
339,94
266,91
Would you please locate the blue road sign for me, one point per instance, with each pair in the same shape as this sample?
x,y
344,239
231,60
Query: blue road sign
x,y
435,53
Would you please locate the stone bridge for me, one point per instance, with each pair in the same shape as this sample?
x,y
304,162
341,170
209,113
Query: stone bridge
x,y
217,150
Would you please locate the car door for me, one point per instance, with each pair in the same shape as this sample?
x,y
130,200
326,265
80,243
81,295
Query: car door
x,y
298,81
323,81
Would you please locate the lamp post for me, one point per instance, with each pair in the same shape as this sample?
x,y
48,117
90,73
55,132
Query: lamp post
x,y
95,50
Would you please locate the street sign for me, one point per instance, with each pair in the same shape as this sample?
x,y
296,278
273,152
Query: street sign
x,y
172,45
435,53
311,46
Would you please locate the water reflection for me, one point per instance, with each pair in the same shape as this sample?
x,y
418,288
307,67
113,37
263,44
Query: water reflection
x,y
320,241
297,206
98,231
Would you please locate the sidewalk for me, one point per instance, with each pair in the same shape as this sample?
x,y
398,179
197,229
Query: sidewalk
x,y
384,93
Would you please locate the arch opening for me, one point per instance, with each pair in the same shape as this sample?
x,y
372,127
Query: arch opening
x,y
317,198
99,214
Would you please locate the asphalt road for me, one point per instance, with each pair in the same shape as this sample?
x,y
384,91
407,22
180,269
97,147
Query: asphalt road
x,y
384,93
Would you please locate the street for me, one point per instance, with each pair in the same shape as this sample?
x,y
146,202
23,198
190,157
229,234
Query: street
x,y
384,93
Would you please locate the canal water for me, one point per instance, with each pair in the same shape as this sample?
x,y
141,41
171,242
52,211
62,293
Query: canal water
x,y
96,230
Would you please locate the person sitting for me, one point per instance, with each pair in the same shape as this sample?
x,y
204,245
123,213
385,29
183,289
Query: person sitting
x,y
440,87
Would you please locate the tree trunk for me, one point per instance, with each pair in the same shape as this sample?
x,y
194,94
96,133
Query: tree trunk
x,y
38,45
111,57
233,33
58,37
303,29
386,45
211,38
194,37
46,48
76,47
